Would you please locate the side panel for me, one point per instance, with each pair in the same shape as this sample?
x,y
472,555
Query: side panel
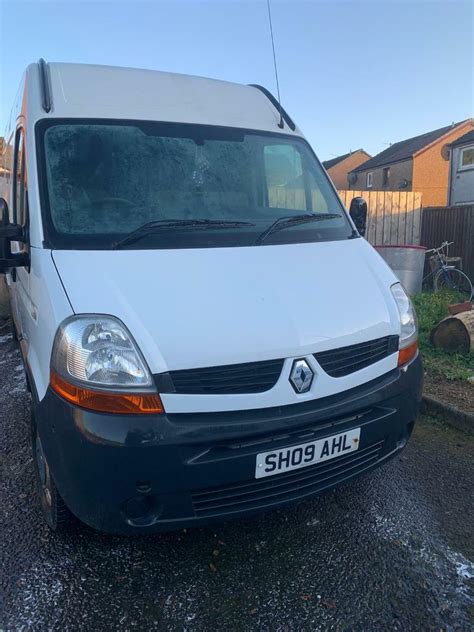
x,y
31,110
6,185
46,308
19,278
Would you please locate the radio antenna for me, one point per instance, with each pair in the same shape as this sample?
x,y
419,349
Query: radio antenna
x,y
280,124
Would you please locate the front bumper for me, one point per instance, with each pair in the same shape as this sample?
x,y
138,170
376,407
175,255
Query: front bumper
x,y
138,474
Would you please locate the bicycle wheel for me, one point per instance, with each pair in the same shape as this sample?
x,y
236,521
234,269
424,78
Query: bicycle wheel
x,y
453,280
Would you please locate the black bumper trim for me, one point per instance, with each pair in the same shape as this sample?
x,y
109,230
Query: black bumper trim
x,y
290,410
266,491
100,461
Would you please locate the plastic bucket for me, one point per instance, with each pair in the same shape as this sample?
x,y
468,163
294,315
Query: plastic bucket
x,y
407,262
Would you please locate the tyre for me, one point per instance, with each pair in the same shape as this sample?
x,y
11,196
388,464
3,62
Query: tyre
x,y
55,513
453,280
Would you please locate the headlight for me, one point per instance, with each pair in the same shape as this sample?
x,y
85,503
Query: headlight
x,y
95,359
99,351
408,325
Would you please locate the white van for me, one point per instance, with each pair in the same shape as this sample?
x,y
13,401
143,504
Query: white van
x,y
204,331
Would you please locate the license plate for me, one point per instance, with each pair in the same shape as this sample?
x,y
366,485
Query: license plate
x,y
297,456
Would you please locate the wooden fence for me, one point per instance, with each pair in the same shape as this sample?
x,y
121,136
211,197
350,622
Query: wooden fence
x,y
394,217
455,223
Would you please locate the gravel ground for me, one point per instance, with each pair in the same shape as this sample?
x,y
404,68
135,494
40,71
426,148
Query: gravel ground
x,y
388,552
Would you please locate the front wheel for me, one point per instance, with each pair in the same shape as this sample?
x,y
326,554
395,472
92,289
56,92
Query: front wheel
x,y
56,514
453,280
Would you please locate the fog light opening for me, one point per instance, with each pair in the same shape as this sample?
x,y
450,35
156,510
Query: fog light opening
x,y
138,506
142,510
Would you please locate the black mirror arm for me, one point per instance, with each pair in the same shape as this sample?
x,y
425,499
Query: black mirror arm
x,y
12,232
17,260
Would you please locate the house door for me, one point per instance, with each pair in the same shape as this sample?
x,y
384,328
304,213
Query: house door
x,y
462,191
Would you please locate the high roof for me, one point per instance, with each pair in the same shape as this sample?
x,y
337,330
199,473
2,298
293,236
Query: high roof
x,y
88,91
405,149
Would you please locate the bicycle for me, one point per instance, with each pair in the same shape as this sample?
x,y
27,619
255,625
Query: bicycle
x,y
448,277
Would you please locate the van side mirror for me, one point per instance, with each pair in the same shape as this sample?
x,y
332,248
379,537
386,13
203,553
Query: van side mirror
x,y
358,213
9,232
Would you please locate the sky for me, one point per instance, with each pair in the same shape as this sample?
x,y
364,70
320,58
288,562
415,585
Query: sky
x,y
352,74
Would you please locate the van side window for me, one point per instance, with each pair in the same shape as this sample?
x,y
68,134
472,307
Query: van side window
x,y
19,182
289,186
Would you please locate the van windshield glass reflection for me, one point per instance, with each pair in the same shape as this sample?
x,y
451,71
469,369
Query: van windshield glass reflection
x,y
104,180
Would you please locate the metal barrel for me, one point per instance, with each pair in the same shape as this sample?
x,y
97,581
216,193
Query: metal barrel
x,y
407,262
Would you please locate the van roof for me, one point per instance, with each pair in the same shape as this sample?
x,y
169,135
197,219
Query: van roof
x,y
90,91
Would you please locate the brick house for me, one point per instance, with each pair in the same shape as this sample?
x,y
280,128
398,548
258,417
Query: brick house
x,y
339,167
418,164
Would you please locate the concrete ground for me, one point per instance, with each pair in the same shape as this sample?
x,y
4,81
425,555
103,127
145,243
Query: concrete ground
x,y
388,552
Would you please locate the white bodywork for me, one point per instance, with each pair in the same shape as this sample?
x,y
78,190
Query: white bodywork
x,y
196,307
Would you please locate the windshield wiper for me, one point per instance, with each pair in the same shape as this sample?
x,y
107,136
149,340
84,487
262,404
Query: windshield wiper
x,y
293,220
153,227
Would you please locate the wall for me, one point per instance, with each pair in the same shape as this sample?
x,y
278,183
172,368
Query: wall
x,y
394,217
461,187
431,170
451,224
338,173
398,171
6,166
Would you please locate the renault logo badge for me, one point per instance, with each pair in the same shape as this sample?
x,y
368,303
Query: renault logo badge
x,y
301,376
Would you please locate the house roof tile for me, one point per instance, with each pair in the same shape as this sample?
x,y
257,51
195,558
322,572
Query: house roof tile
x,y
405,149
467,138
327,164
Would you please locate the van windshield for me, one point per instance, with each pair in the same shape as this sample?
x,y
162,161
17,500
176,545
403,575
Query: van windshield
x,y
102,180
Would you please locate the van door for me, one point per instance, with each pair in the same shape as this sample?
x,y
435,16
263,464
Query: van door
x,y
19,278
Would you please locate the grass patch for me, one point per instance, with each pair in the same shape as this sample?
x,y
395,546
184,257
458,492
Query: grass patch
x,y
430,309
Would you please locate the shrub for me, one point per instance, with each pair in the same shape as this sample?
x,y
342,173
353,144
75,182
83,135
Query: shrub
x,y
430,308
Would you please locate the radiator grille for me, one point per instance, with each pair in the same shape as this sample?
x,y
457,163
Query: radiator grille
x,y
346,360
281,487
250,377
257,377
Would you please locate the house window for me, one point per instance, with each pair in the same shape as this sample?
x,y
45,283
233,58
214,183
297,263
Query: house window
x,y
466,159
386,176
369,180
